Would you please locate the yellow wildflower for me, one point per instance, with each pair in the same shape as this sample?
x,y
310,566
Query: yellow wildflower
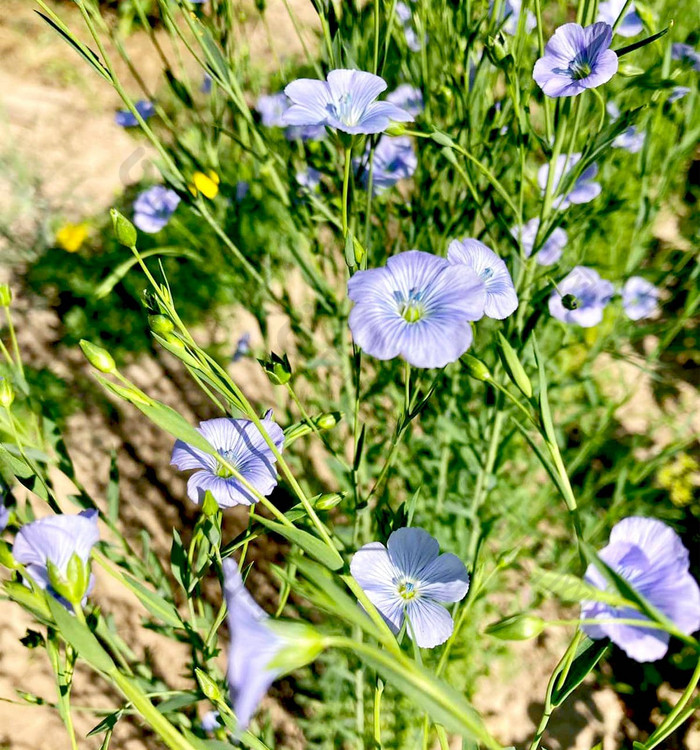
x,y
70,237
206,184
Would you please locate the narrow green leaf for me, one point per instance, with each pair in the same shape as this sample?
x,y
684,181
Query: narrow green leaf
x,y
85,52
513,367
80,637
159,607
588,654
570,588
311,544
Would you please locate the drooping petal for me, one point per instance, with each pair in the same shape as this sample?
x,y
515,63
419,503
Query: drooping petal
x,y
253,646
430,623
310,102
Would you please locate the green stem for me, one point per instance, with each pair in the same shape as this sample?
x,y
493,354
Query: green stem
x,y
346,189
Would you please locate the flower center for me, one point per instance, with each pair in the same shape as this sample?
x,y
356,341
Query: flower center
x,y
580,69
486,274
407,590
343,109
230,457
411,308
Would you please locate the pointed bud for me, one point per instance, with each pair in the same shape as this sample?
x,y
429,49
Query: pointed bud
x,y
98,357
396,128
329,500
517,627
208,687
277,368
7,393
210,507
513,366
5,295
124,230
160,324
476,368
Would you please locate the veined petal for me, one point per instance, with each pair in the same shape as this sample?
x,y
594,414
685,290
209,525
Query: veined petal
x,y
445,579
411,550
430,623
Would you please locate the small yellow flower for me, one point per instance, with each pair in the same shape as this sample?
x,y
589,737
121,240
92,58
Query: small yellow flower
x,y
206,184
680,477
70,237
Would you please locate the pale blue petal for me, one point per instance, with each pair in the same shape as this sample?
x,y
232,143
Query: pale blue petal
x,y
431,624
445,579
411,550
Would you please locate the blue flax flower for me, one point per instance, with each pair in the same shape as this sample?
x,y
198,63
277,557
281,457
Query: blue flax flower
x,y
54,540
211,721
651,557
584,189
272,108
242,347
631,24
501,298
686,53
345,101
631,140
240,442
127,119
309,179
510,15
552,248
576,59
418,307
408,98
394,159
591,295
4,515
408,579
154,207
253,646
678,92
640,298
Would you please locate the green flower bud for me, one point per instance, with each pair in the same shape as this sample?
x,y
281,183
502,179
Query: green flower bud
x,y
329,500
208,687
5,295
303,644
7,393
517,627
476,368
569,302
498,50
124,230
210,507
160,324
396,128
98,357
74,584
277,368
328,420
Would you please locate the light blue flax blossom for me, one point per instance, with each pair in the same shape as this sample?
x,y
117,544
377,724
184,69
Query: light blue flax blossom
x,y
4,515
393,159
678,92
45,548
686,53
631,140
581,297
510,15
501,298
651,557
346,101
408,98
408,580
417,307
640,298
154,207
576,59
253,646
272,107
551,249
242,445
609,11
127,119
584,189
